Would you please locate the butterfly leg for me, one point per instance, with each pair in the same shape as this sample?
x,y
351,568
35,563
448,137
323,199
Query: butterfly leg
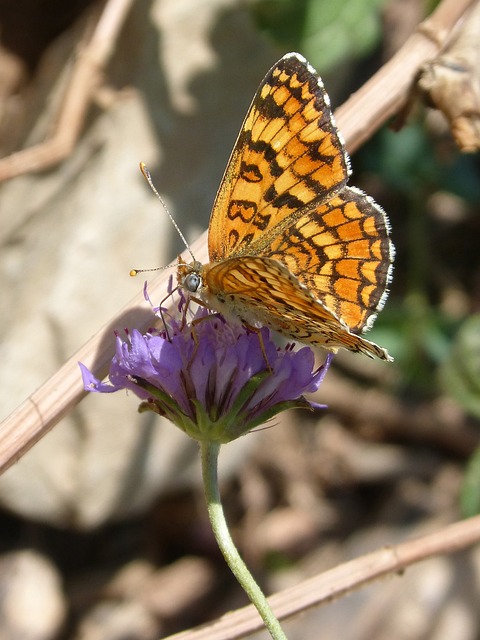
x,y
160,310
262,344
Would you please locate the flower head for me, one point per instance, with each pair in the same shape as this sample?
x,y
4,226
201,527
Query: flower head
x,y
214,380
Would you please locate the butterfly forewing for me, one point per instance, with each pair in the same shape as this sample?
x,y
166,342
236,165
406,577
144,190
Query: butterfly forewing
x,y
288,154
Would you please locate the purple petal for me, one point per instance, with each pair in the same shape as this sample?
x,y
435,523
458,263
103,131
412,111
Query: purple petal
x,y
91,383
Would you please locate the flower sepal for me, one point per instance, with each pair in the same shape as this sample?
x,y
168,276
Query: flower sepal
x,y
226,427
161,404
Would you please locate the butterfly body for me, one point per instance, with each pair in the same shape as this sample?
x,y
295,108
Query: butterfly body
x,y
290,245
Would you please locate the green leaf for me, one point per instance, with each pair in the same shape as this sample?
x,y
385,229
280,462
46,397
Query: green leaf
x,y
460,373
470,494
335,31
326,32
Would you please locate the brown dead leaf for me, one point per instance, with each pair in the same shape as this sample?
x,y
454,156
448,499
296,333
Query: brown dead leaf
x,y
451,83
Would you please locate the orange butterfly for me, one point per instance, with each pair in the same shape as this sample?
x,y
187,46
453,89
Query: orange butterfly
x,y
290,245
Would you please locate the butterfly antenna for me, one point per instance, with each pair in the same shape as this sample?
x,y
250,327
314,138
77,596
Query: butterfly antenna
x,y
148,178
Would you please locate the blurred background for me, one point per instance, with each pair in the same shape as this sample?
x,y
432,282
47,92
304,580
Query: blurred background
x,y
103,529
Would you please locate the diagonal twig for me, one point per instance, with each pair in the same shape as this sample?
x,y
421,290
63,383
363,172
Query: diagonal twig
x,y
341,580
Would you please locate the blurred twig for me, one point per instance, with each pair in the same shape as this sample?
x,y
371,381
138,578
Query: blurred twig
x,y
439,422
387,91
337,582
83,83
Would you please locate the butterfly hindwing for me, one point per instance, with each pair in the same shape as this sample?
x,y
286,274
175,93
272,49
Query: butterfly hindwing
x,y
259,290
341,252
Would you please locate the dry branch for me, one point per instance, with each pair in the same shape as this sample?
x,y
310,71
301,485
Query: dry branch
x,y
341,580
85,79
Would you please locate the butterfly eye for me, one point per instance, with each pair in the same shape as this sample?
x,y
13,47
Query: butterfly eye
x,y
192,282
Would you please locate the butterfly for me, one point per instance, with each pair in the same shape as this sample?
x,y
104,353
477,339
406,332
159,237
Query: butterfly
x,y
291,246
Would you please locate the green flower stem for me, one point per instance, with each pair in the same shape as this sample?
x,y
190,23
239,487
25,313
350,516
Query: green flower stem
x,y
210,451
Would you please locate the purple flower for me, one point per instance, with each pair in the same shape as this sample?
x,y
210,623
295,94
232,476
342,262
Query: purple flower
x,y
212,379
